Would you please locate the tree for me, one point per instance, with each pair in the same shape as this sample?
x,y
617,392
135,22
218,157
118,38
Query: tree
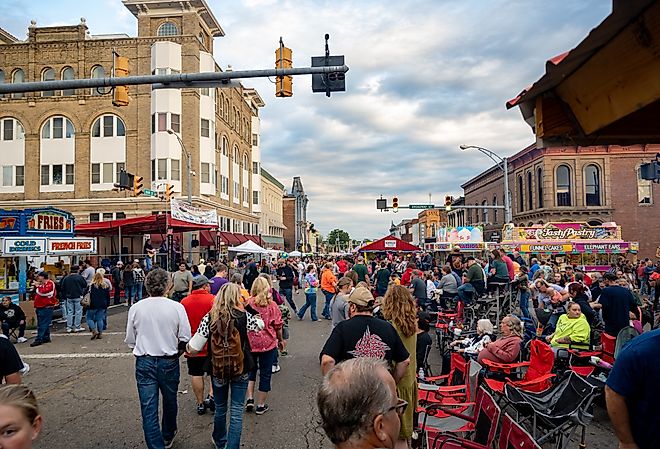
x,y
338,238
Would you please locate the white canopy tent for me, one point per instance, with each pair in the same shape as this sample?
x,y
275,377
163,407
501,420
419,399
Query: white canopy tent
x,y
295,254
248,247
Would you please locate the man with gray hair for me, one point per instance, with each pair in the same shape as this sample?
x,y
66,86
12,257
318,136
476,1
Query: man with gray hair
x,y
157,330
359,406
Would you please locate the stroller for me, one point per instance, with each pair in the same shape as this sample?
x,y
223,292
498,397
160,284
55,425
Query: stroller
x,y
556,413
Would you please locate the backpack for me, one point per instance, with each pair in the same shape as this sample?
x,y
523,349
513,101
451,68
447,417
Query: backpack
x,y
226,351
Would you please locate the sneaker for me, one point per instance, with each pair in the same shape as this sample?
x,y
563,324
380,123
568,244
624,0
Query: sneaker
x,y
210,403
35,343
276,368
169,443
21,340
69,330
249,405
80,329
284,353
201,409
299,317
261,409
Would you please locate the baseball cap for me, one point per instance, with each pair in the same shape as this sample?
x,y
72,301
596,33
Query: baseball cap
x,y
119,262
200,281
362,297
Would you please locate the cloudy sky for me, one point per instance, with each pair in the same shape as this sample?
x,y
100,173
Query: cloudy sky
x,y
425,76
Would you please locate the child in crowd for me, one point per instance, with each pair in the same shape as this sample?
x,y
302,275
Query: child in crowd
x,y
286,316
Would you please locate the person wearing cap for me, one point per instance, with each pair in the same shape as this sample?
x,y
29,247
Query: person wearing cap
x,y
473,281
197,304
363,335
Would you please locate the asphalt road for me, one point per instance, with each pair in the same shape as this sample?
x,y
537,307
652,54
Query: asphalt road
x,y
87,393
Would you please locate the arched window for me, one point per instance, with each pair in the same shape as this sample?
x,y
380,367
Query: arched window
x,y
167,29
226,116
221,105
246,162
97,72
68,74
592,185
18,76
237,157
48,75
108,126
530,194
644,189
521,202
485,211
2,77
563,186
225,146
539,187
57,128
494,209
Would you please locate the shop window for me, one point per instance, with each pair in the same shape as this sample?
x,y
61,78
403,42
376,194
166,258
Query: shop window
x,y
592,185
563,186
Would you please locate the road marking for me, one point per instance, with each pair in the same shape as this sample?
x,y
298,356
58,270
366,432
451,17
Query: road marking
x,y
80,334
91,355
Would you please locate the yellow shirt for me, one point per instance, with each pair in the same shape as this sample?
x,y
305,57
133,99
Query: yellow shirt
x,y
576,328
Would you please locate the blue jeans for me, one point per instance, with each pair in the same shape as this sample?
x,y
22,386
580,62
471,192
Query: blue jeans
x,y
466,292
74,313
288,294
129,292
310,303
263,362
326,308
44,318
137,291
238,386
96,319
64,309
147,263
156,375
524,303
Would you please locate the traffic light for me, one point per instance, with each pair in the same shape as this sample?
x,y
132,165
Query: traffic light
x,y
650,171
448,200
395,204
283,60
120,69
169,191
138,185
126,180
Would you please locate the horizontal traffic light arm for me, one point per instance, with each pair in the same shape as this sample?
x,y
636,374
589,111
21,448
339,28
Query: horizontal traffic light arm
x,y
179,80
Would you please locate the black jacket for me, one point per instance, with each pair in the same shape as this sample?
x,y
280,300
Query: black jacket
x,y
12,314
73,286
99,298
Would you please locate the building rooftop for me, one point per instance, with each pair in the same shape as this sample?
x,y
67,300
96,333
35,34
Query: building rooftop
x,y
155,7
271,178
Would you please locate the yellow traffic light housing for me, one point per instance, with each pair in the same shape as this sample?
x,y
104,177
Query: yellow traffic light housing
x,y
138,185
283,60
169,191
120,69
395,204
448,201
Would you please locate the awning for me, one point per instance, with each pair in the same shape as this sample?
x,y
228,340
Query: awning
x,y
229,238
148,224
389,243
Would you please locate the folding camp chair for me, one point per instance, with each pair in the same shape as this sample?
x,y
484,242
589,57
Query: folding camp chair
x,y
580,361
514,435
430,393
538,374
556,413
479,418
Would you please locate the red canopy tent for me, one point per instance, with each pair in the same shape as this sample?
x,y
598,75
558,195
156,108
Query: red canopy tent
x,y
389,243
148,224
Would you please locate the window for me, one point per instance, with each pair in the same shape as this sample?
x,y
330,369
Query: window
x,y
45,175
221,104
175,169
255,139
539,187
204,91
107,173
97,72
162,168
108,126
225,146
2,77
644,189
68,74
48,75
530,194
237,191
12,129
175,123
227,111
592,185
57,174
120,215
167,29
563,186
7,175
246,162
94,217
205,172
162,121
236,156
70,174
57,128
255,168
107,216
485,211
494,209
120,168
521,202
96,173
224,185
18,76
20,175
205,128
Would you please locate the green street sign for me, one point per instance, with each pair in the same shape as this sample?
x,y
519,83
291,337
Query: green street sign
x,y
421,206
148,192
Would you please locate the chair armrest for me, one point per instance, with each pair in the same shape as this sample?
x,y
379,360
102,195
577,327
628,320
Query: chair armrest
x,y
454,409
504,367
529,383
433,379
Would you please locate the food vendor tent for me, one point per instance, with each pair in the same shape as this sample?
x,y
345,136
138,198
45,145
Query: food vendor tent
x,y
249,247
148,224
295,254
389,243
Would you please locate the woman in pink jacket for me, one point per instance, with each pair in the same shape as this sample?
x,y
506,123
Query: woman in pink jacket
x,y
506,348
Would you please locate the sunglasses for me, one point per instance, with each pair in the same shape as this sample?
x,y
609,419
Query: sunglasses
x,y
400,407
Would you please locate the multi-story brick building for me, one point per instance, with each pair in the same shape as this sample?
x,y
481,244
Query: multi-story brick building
x,y
272,224
594,185
66,148
294,211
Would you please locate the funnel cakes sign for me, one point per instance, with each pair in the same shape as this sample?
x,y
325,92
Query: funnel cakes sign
x,y
562,231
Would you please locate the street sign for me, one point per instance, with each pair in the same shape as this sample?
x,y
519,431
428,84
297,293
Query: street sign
x,y
148,192
421,206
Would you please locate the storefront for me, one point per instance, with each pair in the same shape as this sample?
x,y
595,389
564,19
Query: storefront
x,y
467,239
593,247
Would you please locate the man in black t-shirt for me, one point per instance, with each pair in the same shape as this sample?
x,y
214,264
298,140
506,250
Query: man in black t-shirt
x,y
418,289
10,362
363,335
616,303
285,275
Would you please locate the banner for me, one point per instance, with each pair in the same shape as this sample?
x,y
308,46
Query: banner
x,y
561,231
546,248
461,234
185,212
27,246
71,246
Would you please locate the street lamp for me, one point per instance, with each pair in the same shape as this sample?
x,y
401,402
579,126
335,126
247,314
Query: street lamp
x,y
504,166
188,163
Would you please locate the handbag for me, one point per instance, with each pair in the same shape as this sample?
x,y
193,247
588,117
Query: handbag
x,y
86,300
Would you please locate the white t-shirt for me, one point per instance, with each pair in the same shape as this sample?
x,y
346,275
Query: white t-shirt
x,y
155,327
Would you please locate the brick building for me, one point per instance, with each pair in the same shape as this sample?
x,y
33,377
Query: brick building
x,y
294,214
595,185
272,223
66,148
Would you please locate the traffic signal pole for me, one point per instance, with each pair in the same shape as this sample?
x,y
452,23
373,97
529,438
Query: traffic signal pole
x,y
174,81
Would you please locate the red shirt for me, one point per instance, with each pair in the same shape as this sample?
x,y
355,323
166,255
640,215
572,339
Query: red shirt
x,y
342,265
197,304
405,277
45,295
509,266
587,280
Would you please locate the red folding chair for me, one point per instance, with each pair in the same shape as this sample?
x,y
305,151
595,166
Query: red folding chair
x,y
538,374
579,361
433,393
512,435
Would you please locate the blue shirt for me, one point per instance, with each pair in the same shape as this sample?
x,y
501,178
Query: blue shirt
x,y
635,377
533,269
